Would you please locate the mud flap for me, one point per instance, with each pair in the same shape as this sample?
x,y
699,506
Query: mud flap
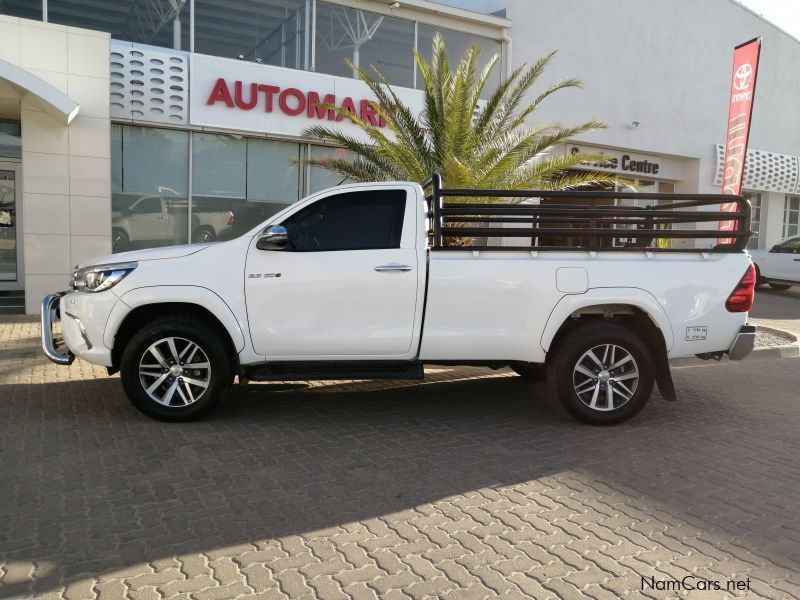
x,y
664,376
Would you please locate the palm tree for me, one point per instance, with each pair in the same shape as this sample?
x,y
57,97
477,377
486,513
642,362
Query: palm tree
x,y
471,143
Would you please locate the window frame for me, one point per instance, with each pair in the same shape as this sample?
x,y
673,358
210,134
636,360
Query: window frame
x,y
402,210
791,230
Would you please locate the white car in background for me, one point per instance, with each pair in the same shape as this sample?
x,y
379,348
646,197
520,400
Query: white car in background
x,y
780,266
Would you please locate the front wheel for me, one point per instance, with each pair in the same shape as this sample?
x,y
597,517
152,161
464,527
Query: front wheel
x,y
176,369
603,373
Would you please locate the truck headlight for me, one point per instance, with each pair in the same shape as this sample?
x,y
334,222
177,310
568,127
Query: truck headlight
x,y
99,278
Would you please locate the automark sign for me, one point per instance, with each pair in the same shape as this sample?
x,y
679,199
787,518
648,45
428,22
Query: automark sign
x,y
246,96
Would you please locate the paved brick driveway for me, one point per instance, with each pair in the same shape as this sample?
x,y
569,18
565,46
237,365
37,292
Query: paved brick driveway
x,y
465,487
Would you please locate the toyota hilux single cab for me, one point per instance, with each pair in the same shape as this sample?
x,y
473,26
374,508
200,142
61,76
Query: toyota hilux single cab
x,y
376,280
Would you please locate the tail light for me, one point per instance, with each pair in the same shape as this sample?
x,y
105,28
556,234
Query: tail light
x,y
741,298
231,219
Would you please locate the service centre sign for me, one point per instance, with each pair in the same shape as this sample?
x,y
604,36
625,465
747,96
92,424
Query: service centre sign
x,y
629,164
247,96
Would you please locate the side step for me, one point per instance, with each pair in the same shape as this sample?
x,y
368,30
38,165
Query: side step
x,y
305,371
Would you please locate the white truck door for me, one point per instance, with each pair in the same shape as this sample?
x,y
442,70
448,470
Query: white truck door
x,y
346,287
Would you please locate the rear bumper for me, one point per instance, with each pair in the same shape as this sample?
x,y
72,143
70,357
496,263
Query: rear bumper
x,y
51,314
743,343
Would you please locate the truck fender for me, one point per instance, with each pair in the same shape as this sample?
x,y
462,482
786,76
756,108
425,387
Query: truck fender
x,y
186,294
636,297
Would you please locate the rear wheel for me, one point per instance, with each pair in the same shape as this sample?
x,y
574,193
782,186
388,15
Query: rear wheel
x,y
119,240
203,235
602,373
779,287
176,369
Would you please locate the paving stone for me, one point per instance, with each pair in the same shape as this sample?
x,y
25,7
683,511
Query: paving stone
x,y
467,486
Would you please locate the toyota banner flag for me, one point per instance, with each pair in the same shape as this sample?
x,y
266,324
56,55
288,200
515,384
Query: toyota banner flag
x,y
743,87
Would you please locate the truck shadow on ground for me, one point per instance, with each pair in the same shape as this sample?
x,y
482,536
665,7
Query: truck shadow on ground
x,y
91,486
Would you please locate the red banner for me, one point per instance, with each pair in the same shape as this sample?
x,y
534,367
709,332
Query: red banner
x,y
743,87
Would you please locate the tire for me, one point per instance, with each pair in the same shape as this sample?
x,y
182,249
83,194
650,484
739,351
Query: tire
x,y
780,287
120,241
148,355
529,371
574,388
203,235
759,278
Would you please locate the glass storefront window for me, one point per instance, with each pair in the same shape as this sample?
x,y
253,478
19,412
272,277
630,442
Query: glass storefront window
x,y
238,183
272,32
162,23
319,178
366,39
457,43
791,216
149,198
755,218
273,174
27,9
10,139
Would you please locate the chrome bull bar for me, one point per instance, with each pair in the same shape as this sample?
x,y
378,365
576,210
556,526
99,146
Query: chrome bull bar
x,y
50,314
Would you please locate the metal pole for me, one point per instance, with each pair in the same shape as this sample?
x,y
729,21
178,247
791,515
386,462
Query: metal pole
x,y
191,26
436,209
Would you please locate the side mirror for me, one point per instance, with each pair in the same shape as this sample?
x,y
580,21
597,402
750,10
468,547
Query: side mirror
x,y
274,238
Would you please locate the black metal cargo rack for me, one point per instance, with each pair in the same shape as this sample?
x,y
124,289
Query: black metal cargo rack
x,y
597,220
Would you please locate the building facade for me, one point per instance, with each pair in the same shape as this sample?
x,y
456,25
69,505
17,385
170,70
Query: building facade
x,y
143,123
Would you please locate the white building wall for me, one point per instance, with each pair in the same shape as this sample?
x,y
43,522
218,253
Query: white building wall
x,y
664,63
66,170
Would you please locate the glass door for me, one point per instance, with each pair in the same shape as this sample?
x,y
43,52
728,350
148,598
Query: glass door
x,y
9,230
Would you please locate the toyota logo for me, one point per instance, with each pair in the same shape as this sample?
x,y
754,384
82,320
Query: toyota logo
x,y
741,80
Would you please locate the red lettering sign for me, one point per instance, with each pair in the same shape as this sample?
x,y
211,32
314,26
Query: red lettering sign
x,y
292,102
743,87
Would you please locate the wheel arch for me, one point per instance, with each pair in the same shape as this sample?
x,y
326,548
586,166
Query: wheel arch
x,y
634,307
145,304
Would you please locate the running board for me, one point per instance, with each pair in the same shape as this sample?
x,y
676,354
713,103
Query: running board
x,y
306,371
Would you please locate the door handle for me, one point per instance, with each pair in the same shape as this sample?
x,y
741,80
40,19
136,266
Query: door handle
x,y
393,267
797,260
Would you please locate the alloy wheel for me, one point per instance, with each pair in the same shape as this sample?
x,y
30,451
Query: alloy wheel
x,y
174,371
605,377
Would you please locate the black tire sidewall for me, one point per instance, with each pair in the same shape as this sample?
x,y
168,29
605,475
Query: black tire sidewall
x,y
200,231
573,346
195,330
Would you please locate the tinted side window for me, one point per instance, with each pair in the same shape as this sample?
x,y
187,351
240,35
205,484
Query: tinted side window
x,y
792,245
349,221
149,205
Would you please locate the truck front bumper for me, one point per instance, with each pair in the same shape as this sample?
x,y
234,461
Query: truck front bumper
x,y
81,318
53,345
743,343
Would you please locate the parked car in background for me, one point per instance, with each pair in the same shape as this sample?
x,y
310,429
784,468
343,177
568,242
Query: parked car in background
x,y
155,220
780,266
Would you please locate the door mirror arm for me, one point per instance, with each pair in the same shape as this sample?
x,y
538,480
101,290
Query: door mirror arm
x,y
274,237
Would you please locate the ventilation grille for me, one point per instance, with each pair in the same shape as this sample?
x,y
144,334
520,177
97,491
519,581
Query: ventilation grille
x,y
764,171
149,84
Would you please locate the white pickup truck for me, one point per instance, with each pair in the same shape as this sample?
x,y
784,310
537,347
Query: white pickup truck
x,y
359,282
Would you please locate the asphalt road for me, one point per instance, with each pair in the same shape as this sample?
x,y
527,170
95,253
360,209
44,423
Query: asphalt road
x,y
777,309
468,486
